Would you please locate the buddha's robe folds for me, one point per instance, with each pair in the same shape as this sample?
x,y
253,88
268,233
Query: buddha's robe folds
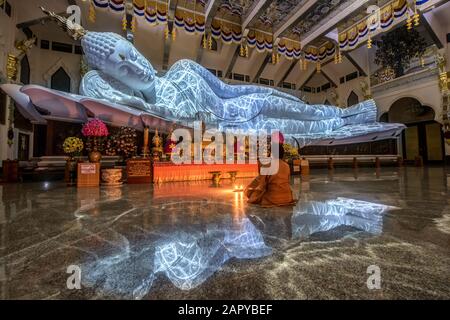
x,y
274,190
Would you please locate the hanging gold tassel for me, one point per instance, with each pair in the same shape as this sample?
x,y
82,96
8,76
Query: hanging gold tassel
x,y
166,32
210,42
92,14
124,22
416,18
246,51
133,25
318,67
274,58
205,41
409,22
369,42
241,51
174,34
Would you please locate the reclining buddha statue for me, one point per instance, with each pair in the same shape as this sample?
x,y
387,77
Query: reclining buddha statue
x,y
188,92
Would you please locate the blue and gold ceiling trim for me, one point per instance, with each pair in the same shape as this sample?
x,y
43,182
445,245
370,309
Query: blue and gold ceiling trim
x,y
261,41
388,16
155,12
226,31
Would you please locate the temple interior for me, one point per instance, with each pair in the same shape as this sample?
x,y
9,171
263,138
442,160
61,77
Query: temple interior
x,y
138,141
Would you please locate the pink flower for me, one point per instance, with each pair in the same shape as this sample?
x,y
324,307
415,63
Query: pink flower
x,y
95,128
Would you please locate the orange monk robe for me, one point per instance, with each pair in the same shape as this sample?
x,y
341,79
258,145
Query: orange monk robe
x,y
269,191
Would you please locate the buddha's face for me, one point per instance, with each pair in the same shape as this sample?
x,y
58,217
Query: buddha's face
x,y
130,67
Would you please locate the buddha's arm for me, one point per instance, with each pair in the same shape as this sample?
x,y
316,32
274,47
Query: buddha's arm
x,y
223,90
100,86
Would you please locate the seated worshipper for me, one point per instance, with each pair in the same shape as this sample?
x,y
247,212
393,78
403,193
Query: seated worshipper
x,y
274,190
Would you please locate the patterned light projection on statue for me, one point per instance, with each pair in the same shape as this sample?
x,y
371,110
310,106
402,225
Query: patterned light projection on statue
x,y
190,92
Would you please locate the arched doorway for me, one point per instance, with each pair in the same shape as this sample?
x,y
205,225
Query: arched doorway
x,y
423,136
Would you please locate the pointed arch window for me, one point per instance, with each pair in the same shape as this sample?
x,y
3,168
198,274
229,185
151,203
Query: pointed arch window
x,y
61,80
25,70
352,99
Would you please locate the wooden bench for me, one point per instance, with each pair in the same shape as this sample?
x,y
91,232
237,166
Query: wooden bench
x,y
354,161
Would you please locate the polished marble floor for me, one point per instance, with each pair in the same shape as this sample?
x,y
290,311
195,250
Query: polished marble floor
x,y
196,241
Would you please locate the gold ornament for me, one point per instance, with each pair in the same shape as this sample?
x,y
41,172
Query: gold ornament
x,y
174,34
409,22
369,42
166,32
416,19
205,41
318,67
124,23
133,25
73,29
11,67
92,14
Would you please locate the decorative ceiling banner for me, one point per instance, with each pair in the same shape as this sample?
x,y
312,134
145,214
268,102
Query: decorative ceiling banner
x,y
227,32
382,20
113,5
156,12
421,2
191,22
117,5
261,41
291,50
139,7
102,4
312,54
315,54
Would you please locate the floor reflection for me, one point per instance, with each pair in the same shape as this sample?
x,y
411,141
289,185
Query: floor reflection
x,y
188,255
192,241
318,216
186,258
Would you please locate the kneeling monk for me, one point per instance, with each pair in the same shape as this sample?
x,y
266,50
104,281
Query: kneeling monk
x,y
274,190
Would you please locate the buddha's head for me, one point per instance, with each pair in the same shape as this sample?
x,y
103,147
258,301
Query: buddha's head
x,y
110,53
115,56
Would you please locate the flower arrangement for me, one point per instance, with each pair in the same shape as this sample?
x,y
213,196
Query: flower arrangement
x,y
95,128
123,143
73,146
290,151
95,131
